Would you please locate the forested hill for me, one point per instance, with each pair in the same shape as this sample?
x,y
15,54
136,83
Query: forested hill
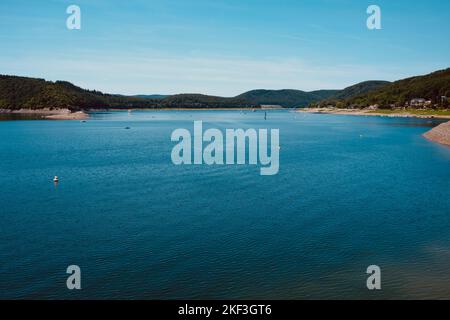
x,y
285,98
434,87
30,93
358,89
204,101
298,98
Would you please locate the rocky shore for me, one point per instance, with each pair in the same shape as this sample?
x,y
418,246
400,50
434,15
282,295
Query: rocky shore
x,y
440,134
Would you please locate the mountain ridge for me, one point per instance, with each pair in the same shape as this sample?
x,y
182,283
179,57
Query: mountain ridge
x,y
432,90
35,93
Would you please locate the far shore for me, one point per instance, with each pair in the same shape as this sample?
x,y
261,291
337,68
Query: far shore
x,y
424,114
51,114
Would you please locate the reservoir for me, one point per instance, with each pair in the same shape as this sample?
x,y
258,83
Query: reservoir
x,y
351,191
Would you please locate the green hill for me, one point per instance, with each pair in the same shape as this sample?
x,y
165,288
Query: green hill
x,y
297,98
30,93
359,89
431,87
205,101
324,94
286,98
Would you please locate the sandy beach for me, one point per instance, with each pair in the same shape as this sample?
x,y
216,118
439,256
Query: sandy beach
x,y
80,115
51,114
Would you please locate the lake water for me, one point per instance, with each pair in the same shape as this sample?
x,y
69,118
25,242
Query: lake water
x,y
351,192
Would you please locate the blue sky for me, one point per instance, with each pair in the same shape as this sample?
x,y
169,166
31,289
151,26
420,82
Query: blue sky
x,y
222,47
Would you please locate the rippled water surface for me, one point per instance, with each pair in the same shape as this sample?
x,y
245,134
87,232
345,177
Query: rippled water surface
x,y
351,192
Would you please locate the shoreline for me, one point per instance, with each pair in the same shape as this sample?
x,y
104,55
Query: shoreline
x,y
49,114
79,115
440,134
372,113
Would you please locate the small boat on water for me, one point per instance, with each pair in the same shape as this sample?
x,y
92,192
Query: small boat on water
x,y
56,179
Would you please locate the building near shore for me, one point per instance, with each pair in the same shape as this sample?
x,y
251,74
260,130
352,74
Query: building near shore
x,y
417,102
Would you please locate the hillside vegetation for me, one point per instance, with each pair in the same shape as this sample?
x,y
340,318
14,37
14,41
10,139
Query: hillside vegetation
x,y
359,89
433,88
298,98
30,93
285,98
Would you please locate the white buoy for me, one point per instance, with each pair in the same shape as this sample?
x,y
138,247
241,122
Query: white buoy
x,y
55,179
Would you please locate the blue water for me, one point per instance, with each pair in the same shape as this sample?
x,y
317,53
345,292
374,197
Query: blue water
x,y
351,192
